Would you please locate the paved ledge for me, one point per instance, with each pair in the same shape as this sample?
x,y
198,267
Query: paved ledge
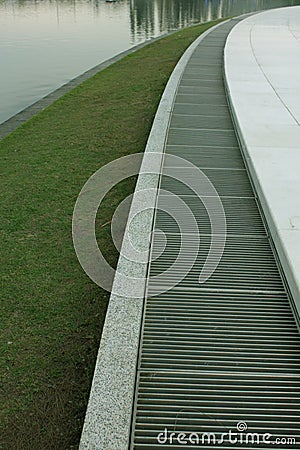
x,y
21,117
108,418
262,71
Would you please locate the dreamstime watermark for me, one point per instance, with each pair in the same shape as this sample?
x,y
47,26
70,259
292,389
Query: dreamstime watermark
x,y
134,251
238,436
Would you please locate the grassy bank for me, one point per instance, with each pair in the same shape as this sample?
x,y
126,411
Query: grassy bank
x,y
52,314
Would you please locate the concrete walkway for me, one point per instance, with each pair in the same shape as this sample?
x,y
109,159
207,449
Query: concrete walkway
x,y
262,69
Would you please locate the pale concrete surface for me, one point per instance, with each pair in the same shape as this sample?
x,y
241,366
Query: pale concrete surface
x,y
262,75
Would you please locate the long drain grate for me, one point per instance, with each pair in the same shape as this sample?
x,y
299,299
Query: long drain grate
x,y
226,355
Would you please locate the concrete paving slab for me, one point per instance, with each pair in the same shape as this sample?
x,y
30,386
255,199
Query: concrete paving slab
x,y
262,68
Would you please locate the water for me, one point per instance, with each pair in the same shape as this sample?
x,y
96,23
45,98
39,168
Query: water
x,y
45,43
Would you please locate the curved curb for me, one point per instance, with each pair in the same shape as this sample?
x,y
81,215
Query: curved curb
x,y
109,413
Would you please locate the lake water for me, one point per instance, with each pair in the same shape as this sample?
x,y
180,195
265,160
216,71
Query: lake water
x,y
45,43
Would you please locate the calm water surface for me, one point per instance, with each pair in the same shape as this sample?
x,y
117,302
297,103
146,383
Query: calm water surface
x,y
45,43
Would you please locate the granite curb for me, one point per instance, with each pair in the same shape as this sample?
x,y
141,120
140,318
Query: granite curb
x,y
109,413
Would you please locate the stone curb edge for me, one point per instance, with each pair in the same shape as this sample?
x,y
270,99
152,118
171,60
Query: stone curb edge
x,y
109,413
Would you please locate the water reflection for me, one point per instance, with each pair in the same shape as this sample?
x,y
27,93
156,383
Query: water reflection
x,y
149,17
45,43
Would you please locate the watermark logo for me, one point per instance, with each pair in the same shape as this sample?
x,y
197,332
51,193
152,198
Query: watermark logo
x,y
241,426
134,251
238,436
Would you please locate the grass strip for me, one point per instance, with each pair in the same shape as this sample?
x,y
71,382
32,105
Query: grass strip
x,y
51,313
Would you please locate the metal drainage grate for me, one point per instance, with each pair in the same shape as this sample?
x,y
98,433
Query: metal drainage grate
x,y
223,355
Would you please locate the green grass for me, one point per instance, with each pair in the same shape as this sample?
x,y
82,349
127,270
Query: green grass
x,y
51,313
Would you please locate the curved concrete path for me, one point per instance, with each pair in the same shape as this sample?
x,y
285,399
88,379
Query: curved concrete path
x,y
262,70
